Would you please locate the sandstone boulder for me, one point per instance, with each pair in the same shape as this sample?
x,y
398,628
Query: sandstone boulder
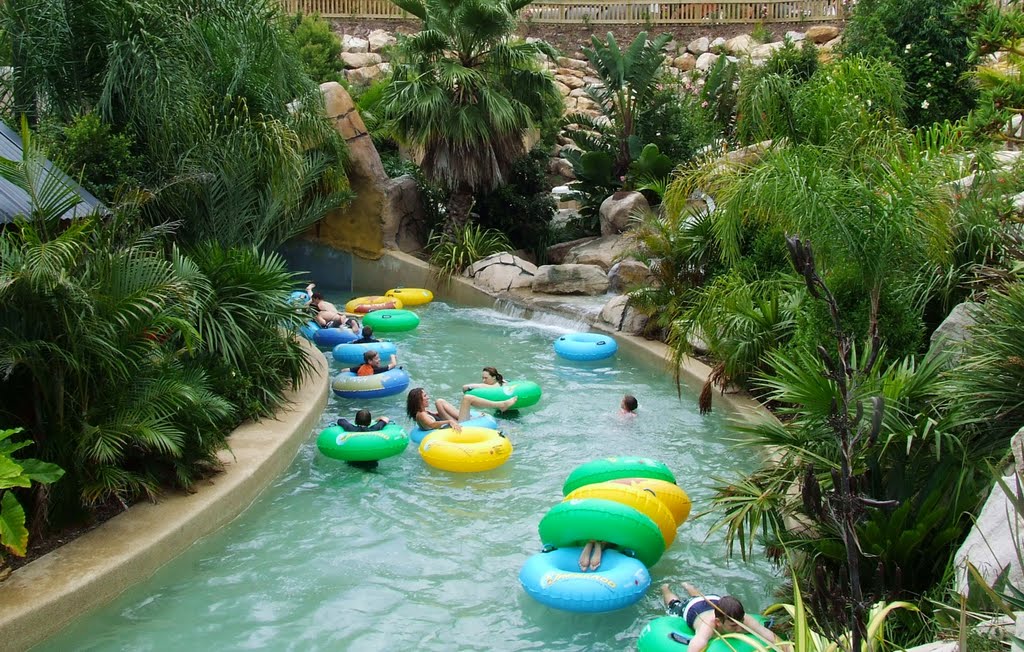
x,y
764,51
628,274
557,253
356,227
561,167
351,43
403,220
740,45
379,39
573,64
698,46
685,62
706,61
954,331
501,272
821,33
603,252
831,46
368,74
570,279
795,36
991,545
617,210
623,317
717,45
360,59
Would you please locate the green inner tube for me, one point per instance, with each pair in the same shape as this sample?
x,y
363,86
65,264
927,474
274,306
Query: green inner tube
x,y
528,392
574,522
389,441
657,637
391,321
616,468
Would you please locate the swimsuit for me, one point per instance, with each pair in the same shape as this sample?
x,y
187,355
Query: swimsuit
x,y
693,607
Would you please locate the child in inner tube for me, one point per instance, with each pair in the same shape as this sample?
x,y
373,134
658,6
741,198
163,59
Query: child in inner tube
x,y
710,615
371,364
490,377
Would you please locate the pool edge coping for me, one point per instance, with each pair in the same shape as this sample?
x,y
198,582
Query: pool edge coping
x,y
42,597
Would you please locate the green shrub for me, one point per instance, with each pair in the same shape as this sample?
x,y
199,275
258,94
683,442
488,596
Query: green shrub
x,y
521,209
319,47
761,33
89,149
18,473
719,94
675,121
927,40
452,255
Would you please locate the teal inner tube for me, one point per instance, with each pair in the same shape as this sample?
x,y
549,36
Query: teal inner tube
x,y
657,636
336,443
391,321
574,522
527,392
616,468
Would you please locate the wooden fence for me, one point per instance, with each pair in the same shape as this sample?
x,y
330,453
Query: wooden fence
x,y
674,12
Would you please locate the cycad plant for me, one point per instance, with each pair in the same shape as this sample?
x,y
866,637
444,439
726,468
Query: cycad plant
x,y
464,92
453,254
628,83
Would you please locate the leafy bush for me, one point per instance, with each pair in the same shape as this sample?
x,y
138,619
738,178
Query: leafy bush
x,y
719,94
228,128
453,254
319,47
521,209
927,40
90,149
16,473
675,121
761,33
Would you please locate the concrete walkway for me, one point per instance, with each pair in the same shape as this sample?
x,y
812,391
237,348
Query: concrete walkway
x,y
42,597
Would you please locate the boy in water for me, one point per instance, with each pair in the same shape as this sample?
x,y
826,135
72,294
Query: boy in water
x,y
709,615
362,424
629,404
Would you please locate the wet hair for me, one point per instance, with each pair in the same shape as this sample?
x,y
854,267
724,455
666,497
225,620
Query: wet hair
x,y
363,418
731,608
497,376
414,402
630,402
367,331
368,355
316,296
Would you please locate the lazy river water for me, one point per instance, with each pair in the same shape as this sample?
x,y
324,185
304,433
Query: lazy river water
x,y
412,558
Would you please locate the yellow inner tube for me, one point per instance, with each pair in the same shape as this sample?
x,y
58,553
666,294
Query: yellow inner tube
x,y
668,493
642,501
372,303
411,296
473,449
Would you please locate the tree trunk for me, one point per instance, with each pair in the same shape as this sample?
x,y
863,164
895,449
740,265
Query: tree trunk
x,y
460,203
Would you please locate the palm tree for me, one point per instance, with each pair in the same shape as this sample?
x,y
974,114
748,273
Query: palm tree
x,y
465,93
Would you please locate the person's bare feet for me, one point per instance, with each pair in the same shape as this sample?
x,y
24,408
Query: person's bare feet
x,y
585,556
595,556
666,594
507,403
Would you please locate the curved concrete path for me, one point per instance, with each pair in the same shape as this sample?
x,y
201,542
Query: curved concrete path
x,y
40,598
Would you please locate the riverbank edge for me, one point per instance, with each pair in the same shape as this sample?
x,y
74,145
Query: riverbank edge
x,y
41,598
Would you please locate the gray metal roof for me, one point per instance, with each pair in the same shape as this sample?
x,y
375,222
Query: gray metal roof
x,y
14,201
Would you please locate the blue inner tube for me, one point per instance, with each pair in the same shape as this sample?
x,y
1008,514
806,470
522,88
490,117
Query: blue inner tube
x,y
554,579
298,298
352,354
391,382
328,338
417,434
309,330
586,346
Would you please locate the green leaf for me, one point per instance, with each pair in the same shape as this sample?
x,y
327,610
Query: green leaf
x,y
43,472
13,534
11,474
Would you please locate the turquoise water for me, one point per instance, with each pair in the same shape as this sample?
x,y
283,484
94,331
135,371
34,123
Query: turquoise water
x,y
412,558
